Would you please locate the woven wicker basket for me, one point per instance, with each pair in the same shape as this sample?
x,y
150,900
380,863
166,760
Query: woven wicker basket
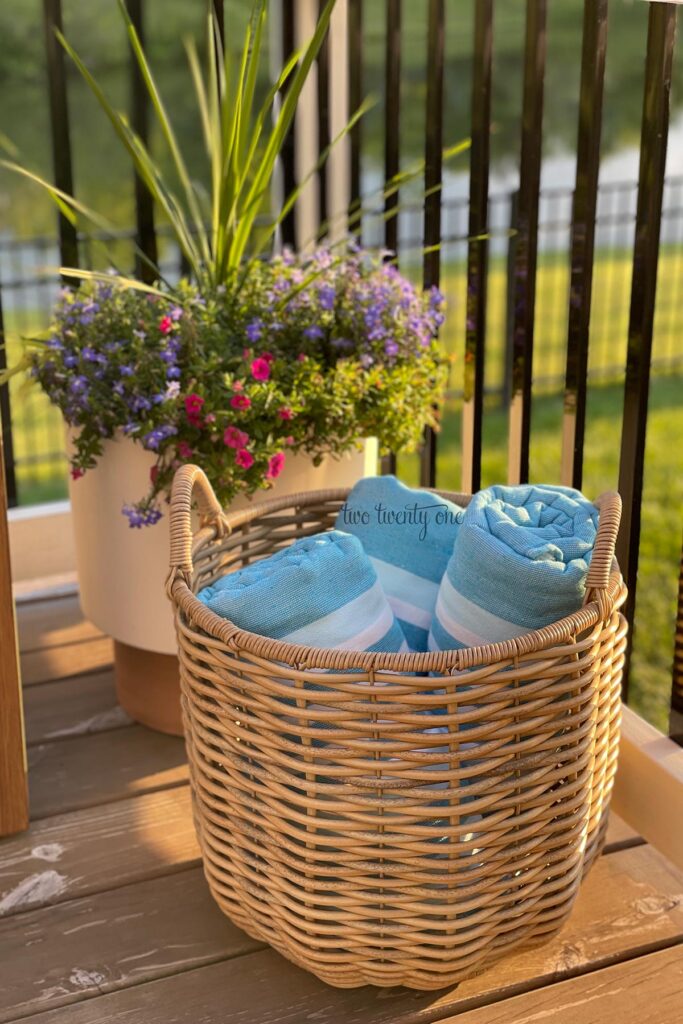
x,y
335,823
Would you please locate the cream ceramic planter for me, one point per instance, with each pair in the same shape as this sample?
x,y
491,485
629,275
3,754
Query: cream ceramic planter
x,y
122,571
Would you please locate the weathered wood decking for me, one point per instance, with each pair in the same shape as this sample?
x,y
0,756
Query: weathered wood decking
x,y
105,916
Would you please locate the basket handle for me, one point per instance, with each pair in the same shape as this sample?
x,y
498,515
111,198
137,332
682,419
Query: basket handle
x,y
600,569
191,482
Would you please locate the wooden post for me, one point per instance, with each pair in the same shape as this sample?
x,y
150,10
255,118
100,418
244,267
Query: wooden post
x,y
13,782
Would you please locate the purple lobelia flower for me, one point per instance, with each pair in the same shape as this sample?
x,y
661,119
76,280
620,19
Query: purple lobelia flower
x,y
141,515
155,437
79,384
139,403
254,330
326,296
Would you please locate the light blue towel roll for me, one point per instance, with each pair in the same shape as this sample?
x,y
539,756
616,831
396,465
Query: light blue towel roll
x,y
321,591
520,562
409,536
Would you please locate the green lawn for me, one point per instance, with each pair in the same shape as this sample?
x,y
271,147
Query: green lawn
x,y
38,429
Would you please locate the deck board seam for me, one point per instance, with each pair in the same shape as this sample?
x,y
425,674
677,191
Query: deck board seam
x,y
114,799
152,873
51,680
69,737
88,997
522,988
105,669
49,648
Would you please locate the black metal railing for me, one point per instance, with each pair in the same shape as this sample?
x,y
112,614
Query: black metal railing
x,y
551,289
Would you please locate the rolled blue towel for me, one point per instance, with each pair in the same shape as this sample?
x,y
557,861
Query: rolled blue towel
x,y
520,562
409,536
321,591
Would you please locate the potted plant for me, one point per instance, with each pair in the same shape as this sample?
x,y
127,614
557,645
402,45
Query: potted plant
x,y
270,370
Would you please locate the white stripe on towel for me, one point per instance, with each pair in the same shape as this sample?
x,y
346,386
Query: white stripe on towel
x,y
400,581
409,613
469,623
340,629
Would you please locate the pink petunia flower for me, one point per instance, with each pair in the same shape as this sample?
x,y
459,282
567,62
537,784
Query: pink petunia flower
x,y
289,440
77,473
210,418
285,413
244,458
276,464
268,356
238,385
165,325
260,369
193,409
233,437
240,402
184,450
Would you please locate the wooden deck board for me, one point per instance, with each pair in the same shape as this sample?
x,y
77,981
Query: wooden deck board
x,y
643,991
74,854
75,707
96,769
111,940
55,641
54,663
43,624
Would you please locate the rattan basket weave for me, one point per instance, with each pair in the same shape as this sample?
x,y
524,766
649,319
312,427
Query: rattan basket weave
x,y
334,824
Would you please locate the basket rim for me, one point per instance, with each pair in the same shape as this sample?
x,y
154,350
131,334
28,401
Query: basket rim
x,y
305,656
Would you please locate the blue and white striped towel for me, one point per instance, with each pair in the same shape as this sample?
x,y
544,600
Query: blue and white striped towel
x,y
321,591
409,536
520,562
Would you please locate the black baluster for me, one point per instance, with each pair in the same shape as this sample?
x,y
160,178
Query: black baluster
x,y
477,251
654,132
145,237
432,205
526,245
59,126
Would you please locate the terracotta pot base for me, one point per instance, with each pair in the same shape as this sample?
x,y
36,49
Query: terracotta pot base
x,y
148,687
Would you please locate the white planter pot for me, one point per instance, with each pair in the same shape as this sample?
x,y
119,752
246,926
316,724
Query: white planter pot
x,y
122,571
